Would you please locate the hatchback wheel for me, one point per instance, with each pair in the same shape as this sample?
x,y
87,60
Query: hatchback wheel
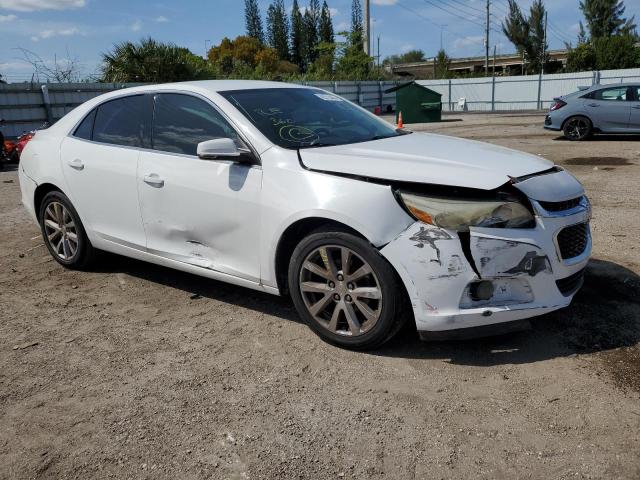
x,y
63,232
577,128
345,290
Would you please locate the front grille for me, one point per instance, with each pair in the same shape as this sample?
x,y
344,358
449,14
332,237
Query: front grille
x,y
572,240
570,285
561,206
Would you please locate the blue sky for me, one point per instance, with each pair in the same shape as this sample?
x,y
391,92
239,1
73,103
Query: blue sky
x,y
83,29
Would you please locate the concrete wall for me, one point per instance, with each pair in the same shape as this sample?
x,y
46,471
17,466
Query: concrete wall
x,y
529,92
26,106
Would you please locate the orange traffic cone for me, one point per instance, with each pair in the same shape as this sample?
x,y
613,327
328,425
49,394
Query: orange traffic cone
x,y
400,123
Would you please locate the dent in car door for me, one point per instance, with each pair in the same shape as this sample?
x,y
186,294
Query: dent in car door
x,y
100,162
202,212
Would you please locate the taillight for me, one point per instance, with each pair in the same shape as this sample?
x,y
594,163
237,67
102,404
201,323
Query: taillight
x,y
557,105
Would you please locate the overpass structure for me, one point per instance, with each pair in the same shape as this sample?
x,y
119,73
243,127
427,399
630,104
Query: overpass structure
x,y
509,64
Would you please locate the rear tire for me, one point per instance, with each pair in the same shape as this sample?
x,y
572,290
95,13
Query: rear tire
x,y
345,290
63,232
577,128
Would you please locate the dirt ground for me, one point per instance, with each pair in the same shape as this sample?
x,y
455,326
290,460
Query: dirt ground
x,y
137,371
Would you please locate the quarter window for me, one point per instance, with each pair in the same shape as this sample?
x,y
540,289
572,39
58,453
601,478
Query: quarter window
x,y
124,121
85,129
612,94
183,121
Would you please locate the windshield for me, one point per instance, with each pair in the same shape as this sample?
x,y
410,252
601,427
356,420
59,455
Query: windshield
x,y
305,117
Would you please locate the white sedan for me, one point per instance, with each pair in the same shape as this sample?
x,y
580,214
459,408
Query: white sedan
x,y
291,189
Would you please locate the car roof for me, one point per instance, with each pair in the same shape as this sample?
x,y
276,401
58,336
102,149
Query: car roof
x,y
218,85
613,85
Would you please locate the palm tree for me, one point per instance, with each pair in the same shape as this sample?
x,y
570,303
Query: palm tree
x,y
152,61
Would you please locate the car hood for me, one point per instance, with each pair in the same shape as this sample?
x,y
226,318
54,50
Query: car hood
x,y
426,158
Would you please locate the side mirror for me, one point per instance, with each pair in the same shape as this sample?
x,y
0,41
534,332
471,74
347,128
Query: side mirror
x,y
217,148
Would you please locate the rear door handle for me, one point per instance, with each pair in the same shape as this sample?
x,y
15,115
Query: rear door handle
x,y
154,180
76,163
637,107
592,105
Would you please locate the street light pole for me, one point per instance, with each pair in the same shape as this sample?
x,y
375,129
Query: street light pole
x,y
367,27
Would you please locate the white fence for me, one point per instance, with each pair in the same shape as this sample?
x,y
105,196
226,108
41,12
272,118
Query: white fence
x,y
530,92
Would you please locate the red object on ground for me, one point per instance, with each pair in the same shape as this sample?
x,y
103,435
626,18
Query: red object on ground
x,y
400,122
377,110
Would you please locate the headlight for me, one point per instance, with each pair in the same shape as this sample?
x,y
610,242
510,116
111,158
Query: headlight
x,y
459,214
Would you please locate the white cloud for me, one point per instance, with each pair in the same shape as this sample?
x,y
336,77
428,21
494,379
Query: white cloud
x,y
7,18
136,26
384,2
65,32
161,19
32,5
343,27
407,47
464,42
334,12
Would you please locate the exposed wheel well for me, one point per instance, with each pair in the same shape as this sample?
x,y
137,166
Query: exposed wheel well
x,y
41,191
292,236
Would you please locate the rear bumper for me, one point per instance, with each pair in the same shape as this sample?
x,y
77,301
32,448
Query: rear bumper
x,y
552,123
27,188
525,267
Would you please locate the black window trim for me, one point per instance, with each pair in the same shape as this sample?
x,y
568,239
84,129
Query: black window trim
x,y
630,93
254,153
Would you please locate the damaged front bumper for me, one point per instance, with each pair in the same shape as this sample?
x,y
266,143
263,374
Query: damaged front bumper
x,y
490,276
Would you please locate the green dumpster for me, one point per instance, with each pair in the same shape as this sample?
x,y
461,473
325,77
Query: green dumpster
x,y
417,103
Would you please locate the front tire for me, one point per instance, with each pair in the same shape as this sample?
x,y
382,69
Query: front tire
x,y
345,291
63,232
577,128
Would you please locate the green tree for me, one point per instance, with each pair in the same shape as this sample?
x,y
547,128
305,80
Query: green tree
x,y
326,25
152,61
353,63
442,64
605,18
253,20
412,56
617,51
311,20
357,24
278,29
297,36
527,33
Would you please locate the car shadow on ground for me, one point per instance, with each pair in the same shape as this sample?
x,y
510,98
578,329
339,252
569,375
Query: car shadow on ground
x,y
604,315
604,137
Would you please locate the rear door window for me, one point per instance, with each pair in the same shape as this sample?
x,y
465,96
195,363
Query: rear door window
x,y
182,121
124,121
618,94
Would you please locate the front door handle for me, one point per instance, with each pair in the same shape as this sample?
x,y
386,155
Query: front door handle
x,y
154,180
76,163
592,105
637,107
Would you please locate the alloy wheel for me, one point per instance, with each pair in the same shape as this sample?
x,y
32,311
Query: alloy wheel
x,y
577,128
60,230
340,290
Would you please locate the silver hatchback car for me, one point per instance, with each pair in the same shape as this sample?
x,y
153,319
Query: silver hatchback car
x,y
613,108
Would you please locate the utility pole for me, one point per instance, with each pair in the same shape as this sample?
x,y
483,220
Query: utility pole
x,y
544,45
494,60
378,53
367,27
486,41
